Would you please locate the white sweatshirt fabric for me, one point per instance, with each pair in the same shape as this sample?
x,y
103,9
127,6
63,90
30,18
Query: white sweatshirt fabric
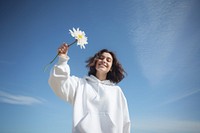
x,y
99,106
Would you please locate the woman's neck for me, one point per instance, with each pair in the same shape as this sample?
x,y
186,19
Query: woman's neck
x,y
101,76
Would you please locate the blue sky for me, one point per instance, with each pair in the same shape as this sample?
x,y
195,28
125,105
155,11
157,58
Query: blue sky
x,y
156,41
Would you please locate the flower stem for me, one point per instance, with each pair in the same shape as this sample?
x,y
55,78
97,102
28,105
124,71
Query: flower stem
x,y
50,62
72,43
57,56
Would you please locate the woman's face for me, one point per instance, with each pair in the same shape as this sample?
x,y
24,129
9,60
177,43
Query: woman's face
x,y
104,63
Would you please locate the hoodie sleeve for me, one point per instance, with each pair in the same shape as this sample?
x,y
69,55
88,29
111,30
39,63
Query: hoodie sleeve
x,y
63,85
126,118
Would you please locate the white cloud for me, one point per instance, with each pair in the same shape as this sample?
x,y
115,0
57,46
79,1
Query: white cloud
x,y
165,125
181,96
18,99
156,36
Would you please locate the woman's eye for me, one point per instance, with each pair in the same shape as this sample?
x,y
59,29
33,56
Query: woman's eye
x,y
108,60
101,57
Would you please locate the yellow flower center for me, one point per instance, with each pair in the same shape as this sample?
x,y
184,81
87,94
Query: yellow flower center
x,y
80,36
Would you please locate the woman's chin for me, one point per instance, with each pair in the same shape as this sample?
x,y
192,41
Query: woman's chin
x,y
101,70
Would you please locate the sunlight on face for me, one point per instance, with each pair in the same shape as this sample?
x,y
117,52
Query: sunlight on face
x,y
104,63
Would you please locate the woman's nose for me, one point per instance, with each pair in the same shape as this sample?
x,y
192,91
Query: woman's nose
x,y
104,60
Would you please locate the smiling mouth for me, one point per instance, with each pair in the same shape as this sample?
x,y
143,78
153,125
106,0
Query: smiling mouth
x,y
103,65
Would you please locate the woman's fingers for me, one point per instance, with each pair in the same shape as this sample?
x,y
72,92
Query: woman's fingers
x,y
63,49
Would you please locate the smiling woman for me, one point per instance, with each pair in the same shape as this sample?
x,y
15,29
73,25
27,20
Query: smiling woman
x,y
106,59
97,101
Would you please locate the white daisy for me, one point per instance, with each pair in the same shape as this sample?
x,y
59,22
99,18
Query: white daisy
x,y
80,39
79,36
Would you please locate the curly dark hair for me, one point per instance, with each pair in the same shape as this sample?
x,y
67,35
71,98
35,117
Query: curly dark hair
x,y
117,73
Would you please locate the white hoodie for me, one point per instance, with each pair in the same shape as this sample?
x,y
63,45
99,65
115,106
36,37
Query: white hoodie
x,y
99,106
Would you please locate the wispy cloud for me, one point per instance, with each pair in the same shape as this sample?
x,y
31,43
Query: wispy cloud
x,y
156,36
8,98
181,96
165,125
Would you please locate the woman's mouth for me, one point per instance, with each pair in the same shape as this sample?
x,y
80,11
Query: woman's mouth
x,y
103,65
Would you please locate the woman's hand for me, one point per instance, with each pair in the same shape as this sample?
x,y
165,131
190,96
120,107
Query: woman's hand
x,y
63,49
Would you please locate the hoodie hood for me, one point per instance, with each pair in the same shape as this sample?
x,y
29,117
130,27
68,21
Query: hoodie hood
x,y
94,79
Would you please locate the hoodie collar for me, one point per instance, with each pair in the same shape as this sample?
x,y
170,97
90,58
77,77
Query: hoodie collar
x,y
94,79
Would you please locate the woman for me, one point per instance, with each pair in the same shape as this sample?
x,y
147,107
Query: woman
x,y
99,105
